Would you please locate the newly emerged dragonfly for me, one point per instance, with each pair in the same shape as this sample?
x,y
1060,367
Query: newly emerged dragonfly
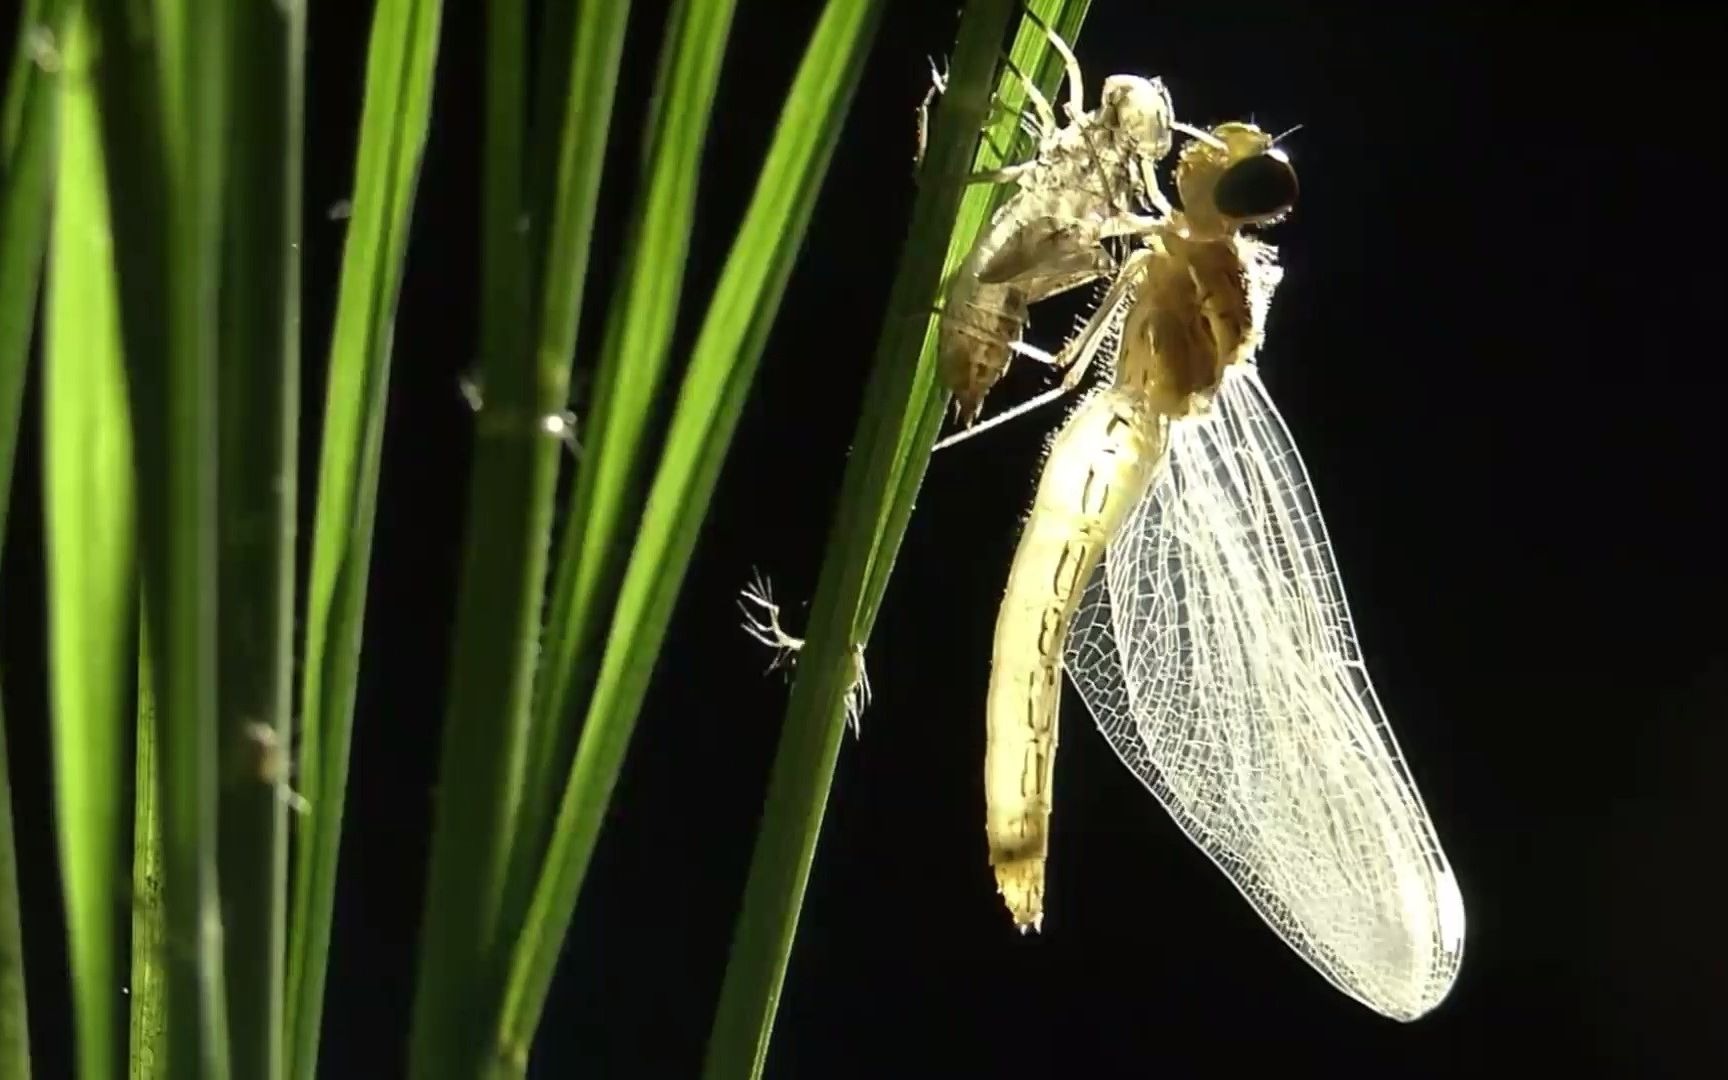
x,y
1176,565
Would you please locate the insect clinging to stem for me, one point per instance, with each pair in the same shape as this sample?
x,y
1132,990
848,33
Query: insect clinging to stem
x,y
1089,181
1176,565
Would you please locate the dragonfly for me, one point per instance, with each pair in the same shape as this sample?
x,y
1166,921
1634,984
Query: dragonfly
x,y
1089,181
1176,565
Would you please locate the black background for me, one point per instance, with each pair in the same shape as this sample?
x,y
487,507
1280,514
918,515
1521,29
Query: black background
x,y
1497,343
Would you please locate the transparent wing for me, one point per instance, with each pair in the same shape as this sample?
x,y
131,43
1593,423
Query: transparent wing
x,y
1216,653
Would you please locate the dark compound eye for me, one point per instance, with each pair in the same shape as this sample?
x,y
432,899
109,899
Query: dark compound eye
x,y
1262,186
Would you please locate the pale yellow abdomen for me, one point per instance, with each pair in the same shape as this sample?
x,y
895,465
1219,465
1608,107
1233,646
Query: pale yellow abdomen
x,y
1098,468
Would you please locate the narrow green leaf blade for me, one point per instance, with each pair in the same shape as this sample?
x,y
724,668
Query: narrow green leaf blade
x,y
393,130
14,1016
162,82
258,481
578,81
639,331
902,410
88,512
148,1051
29,121
722,368
29,124
509,522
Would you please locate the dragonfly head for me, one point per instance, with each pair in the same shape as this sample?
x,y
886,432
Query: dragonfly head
x,y
1232,177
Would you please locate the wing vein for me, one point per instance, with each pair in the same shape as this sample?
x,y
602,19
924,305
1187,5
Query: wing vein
x,y
1215,650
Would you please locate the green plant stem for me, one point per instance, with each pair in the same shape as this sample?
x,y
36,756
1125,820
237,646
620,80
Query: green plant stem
x,y
393,130
162,84
902,411
510,504
149,985
14,1015
88,525
633,357
179,532
722,368
29,122
259,414
579,78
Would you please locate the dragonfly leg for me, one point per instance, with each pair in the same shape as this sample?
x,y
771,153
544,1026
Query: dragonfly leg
x,y
1131,225
1075,106
1046,116
1005,175
1033,352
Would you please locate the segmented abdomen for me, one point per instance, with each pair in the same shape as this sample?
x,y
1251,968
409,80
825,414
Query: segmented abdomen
x,y
1097,471
978,322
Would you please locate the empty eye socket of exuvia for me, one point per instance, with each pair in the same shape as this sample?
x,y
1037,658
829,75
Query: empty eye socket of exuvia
x,y
1258,187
